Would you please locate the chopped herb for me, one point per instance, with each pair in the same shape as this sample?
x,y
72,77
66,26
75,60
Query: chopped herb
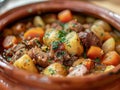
x,y
62,39
52,72
60,23
102,34
97,60
55,45
73,25
27,60
67,42
9,58
61,53
66,67
85,55
46,35
61,34
49,60
37,42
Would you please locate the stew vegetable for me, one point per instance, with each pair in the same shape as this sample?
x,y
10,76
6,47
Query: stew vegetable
x,y
62,44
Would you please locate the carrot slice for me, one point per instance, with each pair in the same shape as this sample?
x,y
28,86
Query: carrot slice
x,y
9,41
111,58
107,36
34,32
94,52
89,64
65,16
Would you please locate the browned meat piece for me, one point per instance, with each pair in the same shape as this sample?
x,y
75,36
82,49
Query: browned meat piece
x,y
57,26
69,61
18,28
57,51
33,42
40,57
88,39
18,54
74,25
79,70
11,51
17,47
17,51
61,56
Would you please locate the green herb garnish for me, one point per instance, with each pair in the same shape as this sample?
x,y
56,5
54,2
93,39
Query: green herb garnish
x,y
97,60
9,58
49,60
37,43
52,72
102,34
84,55
61,34
55,45
47,35
61,53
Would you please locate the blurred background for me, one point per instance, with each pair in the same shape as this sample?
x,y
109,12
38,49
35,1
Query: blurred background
x,y
113,5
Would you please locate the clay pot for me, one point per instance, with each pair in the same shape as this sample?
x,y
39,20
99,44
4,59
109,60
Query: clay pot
x,y
12,78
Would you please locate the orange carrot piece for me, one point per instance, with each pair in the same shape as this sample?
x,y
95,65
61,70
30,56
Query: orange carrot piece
x,y
65,16
107,36
9,41
89,64
94,52
111,58
34,32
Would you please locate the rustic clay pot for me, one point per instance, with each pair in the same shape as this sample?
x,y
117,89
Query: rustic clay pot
x,y
12,78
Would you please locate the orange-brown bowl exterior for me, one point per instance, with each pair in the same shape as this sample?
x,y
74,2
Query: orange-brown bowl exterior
x,y
12,78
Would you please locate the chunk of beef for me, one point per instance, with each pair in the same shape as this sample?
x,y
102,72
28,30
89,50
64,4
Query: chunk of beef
x,y
40,57
74,25
17,47
69,61
88,39
79,70
16,51
32,43
61,56
55,25
18,54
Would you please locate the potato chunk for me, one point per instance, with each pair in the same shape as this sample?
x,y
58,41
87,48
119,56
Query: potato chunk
x,y
50,36
37,21
73,44
55,69
98,31
26,63
108,68
108,45
103,24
